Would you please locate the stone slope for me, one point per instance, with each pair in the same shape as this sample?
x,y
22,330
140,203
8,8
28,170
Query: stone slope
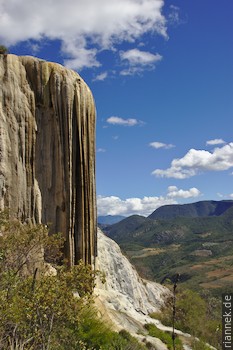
x,y
128,290
47,150
125,299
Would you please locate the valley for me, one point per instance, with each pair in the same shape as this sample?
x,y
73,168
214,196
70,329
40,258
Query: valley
x,y
198,247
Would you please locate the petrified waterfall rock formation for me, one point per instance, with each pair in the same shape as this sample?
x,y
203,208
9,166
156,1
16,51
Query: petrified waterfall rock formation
x,y
47,150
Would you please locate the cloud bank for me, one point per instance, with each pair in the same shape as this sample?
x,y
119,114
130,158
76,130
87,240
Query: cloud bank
x,y
113,205
84,27
131,206
196,161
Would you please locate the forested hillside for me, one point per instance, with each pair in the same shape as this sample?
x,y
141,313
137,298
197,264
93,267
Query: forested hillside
x,y
199,248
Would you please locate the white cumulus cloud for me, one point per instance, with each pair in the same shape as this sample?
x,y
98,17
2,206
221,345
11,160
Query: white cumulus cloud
x,y
113,205
195,161
137,57
101,76
84,27
137,61
215,142
125,122
158,145
174,192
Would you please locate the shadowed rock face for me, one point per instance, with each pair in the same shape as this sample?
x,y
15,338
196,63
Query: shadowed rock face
x,y
47,150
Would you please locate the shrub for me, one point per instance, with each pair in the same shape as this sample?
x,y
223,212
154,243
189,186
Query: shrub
x,y
40,311
3,50
194,315
165,337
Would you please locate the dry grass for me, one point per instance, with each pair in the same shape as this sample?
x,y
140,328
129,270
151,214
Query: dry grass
x,y
220,273
148,252
211,263
202,252
211,285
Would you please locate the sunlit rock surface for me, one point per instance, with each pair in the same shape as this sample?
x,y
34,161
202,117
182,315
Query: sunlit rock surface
x,y
124,291
47,150
126,300
123,281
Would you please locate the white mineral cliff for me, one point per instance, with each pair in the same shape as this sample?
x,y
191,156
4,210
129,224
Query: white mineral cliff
x,y
128,292
125,299
47,150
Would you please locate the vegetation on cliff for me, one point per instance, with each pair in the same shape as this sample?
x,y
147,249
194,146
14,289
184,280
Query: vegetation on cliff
x,y
46,308
3,50
200,249
166,337
196,315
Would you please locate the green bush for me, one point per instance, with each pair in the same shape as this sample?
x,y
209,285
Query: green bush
x,y
40,311
199,345
3,50
194,315
165,337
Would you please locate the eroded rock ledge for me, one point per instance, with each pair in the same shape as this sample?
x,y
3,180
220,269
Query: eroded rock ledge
x,y
47,150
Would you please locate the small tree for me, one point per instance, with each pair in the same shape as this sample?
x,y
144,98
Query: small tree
x,y
43,311
3,50
38,310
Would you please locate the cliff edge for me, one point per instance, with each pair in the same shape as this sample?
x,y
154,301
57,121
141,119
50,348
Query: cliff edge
x,y
47,150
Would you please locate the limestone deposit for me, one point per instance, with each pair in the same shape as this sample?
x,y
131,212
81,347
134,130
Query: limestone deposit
x,y
125,292
125,299
47,150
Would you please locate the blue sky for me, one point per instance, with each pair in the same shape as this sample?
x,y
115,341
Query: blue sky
x,y
161,73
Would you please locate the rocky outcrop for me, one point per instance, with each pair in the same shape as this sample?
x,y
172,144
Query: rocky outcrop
x,y
47,150
124,291
125,299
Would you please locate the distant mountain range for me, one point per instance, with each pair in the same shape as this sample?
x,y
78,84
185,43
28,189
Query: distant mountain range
x,y
198,209
195,240
110,219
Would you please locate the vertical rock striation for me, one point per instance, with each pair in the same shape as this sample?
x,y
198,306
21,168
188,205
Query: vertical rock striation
x,y
126,299
124,290
47,150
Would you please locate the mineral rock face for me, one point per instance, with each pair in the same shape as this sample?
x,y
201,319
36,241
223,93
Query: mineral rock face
x,y
124,289
47,150
125,297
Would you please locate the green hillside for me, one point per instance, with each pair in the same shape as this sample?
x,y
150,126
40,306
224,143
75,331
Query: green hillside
x,y
110,219
198,209
199,248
